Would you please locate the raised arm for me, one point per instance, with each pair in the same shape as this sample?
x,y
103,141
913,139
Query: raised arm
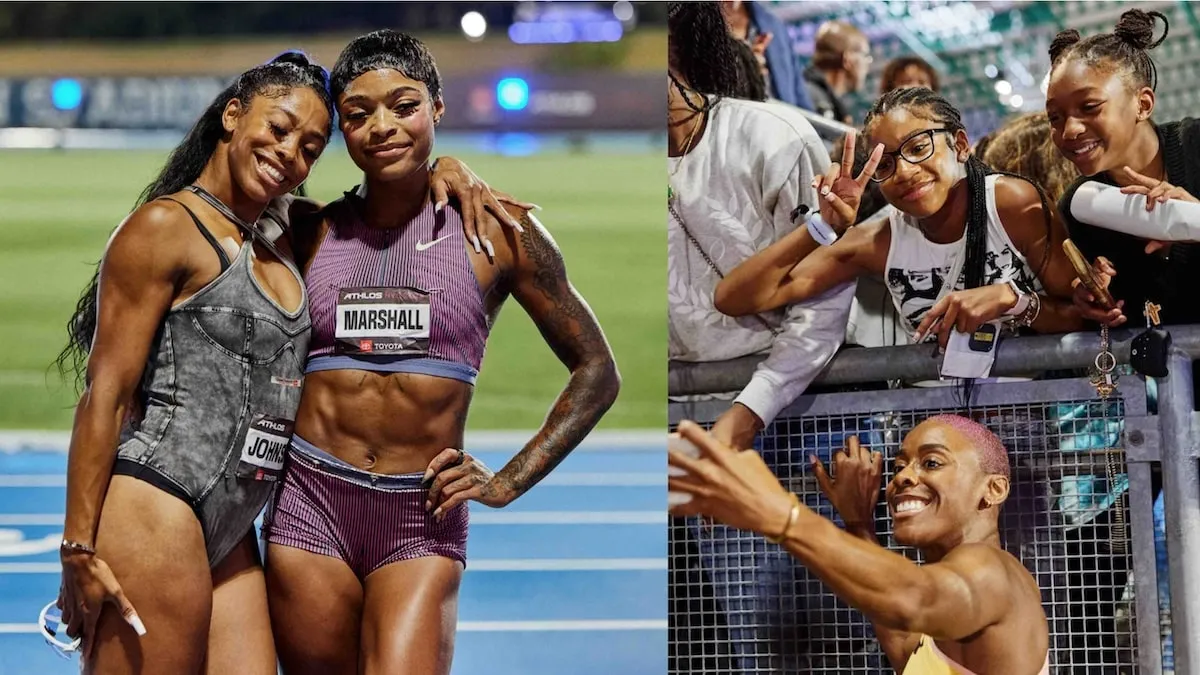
x,y
566,322
796,268
854,492
141,271
951,599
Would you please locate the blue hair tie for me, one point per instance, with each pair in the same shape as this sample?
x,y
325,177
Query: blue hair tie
x,y
324,73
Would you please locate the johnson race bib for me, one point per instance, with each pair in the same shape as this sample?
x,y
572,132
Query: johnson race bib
x,y
265,447
382,321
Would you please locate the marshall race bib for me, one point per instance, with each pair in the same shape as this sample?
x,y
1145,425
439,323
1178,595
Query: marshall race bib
x,y
264,448
382,321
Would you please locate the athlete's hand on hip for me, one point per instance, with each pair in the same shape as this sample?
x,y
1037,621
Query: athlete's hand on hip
x,y
481,206
453,477
854,487
839,192
87,585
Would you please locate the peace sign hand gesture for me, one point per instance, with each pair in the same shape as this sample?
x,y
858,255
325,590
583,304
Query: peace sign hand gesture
x,y
840,195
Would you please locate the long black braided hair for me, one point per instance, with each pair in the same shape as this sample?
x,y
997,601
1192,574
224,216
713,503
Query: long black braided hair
x,y
932,106
289,70
702,51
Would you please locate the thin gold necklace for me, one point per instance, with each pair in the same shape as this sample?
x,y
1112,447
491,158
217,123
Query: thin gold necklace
x,y
687,144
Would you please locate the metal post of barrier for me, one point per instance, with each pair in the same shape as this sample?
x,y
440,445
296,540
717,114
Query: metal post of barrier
x,y
1145,566
1181,487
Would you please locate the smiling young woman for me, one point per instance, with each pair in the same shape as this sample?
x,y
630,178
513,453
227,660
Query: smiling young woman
x,y
949,214
1100,102
162,484
367,534
971,607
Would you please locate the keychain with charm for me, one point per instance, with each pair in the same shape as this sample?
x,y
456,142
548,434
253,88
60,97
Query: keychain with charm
x,y
1105,380
1148,351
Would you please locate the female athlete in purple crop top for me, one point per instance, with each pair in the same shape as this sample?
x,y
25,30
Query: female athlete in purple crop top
x,y
367,532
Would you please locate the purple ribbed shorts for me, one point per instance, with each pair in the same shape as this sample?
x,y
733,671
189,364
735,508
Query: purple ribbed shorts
x,y
326,506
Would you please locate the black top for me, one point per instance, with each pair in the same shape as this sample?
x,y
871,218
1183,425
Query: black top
x,y
1168,280
825,101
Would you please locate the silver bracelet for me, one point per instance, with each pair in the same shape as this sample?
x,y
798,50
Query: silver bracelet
x,y
68,546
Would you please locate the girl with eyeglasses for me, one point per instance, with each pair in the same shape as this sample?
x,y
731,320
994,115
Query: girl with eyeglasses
x,y
995,236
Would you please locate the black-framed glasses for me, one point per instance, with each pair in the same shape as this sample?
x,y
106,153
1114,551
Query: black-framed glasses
x,y
915,150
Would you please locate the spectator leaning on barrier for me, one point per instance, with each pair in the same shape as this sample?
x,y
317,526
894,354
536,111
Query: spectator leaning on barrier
x,y
767,35
999,232
1100,99
737,171
840,62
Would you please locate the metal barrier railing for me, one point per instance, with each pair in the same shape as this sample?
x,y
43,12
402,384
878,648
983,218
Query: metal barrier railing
x,y
1081,516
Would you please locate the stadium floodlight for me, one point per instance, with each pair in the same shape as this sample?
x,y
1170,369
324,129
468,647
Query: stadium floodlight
x,y
66,94
991,71
1017,101
1003,87
512,93
623,10
474,26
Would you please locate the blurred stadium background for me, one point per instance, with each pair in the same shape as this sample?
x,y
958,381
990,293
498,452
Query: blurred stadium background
x,y
991,56
557,103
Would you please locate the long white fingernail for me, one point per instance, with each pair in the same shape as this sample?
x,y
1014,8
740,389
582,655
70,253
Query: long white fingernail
x,y
518,228
475,240
136,622
491,251
437,208
535,206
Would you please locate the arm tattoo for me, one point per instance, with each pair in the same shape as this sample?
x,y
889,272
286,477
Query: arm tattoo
x,y
572,332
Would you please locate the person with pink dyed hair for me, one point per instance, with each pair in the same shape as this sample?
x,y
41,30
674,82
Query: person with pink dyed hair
x,y
971,608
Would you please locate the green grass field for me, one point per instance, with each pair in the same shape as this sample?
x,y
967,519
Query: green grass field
x,y
58,208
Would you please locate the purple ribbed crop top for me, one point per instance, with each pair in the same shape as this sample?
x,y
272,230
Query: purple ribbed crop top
x,y
428,254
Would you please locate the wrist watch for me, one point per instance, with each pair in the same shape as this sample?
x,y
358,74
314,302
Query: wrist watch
x,y
1023,300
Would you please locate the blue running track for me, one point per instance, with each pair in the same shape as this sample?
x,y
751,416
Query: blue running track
x,y
570,579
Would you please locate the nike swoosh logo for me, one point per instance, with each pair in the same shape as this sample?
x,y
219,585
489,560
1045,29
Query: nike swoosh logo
x,y
422,247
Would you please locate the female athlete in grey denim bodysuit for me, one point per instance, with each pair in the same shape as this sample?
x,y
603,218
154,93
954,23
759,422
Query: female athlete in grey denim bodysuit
x,y
194,334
